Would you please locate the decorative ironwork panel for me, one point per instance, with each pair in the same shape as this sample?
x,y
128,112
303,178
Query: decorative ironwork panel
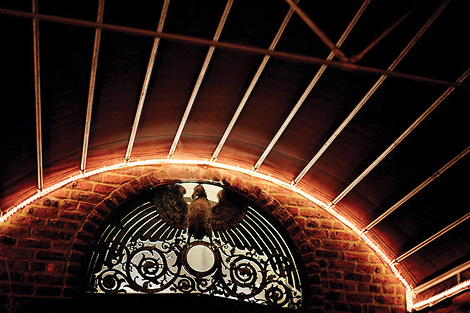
x,y
141,253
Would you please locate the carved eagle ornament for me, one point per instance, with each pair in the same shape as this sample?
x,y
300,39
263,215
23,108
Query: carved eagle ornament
x,y
200,217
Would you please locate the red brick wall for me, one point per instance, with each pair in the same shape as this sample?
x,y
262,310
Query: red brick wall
x,y
42,247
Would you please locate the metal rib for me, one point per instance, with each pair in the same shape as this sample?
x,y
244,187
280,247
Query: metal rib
x,y
265,232
247,224
435,281
223,236
199,80
432,238
134,223
37,90
398,140
149,232
369,94
91,89
246,242
416,190
233,239
162,230
135,231
230,46
157,230
252,85
148,74
170,234
309,88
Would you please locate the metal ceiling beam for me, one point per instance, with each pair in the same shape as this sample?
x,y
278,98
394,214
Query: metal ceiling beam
x,y
37,93
433,282
200,78
91,87
310,87
230,46
145,85
416,190
398,140
432,238
369,94
252,85
323,37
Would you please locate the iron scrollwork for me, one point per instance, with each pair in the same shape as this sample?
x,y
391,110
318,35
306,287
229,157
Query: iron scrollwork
x,y
207,267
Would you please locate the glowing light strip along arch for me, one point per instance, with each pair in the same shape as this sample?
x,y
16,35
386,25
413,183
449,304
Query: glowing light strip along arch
x,y
328,208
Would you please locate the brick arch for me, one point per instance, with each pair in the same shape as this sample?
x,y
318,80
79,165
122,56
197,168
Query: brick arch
x,y
240,183
43,245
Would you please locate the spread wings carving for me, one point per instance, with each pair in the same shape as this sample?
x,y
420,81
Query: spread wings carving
x,y
200,217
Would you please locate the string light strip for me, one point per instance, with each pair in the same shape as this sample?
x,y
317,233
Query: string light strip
x,y
329,208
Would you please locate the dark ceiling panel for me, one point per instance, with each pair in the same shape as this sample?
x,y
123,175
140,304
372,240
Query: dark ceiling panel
x,y
436,54
222,90
271,102
433,208
254,22
382,120
121,68
440,255
139,14
85,10
325,108
416,160
194,18
65,71
238,153
17,138
174,75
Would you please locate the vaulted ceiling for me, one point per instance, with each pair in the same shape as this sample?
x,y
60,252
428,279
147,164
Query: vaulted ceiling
x,y
361,104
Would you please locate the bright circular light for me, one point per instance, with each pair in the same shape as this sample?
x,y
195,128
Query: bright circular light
x,y
200,258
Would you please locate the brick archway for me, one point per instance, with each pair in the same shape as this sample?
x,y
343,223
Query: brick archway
x,y
240,183
43,245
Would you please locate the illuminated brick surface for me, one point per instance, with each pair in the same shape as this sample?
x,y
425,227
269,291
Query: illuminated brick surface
x,y
43,245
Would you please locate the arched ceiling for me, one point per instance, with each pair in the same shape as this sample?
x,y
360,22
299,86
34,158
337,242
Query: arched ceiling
x,y
377,128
